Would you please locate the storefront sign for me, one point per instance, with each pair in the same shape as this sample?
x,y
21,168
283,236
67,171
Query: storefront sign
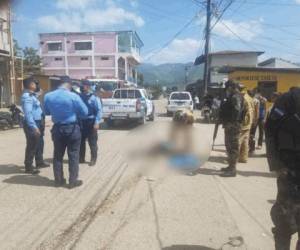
x,y
256,78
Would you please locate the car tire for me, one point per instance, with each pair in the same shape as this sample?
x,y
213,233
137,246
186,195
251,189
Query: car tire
x,y
109,122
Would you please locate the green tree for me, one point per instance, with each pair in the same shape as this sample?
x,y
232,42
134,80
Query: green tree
x,y
140,79
32,61
17,49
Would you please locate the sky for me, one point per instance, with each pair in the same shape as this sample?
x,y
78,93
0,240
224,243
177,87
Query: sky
x,y
172,30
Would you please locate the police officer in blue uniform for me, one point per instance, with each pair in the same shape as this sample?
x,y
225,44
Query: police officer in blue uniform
x,y
66,108
90,125
34,126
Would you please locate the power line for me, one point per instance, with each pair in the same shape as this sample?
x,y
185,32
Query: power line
x,y
222,13
258,44
173,38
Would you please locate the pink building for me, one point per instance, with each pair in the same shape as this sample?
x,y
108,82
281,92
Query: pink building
x,y
100,55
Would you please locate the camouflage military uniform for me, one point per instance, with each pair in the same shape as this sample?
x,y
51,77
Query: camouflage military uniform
x,y
246,127
232,137
231,117
283,151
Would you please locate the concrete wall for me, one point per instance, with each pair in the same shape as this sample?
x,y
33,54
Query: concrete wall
x,y
280,64
250,59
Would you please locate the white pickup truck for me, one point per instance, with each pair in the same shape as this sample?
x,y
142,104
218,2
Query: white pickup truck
x,y
128,104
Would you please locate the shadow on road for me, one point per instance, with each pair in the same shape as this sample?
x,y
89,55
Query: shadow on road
x,y
121,126
219,150
187,247
31,180
218,159
11,169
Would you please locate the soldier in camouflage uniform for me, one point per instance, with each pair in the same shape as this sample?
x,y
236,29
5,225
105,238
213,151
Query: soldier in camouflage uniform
x,y
246,126
231,118
283,152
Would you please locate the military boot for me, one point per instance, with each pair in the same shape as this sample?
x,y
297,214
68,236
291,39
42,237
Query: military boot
x,y
229,172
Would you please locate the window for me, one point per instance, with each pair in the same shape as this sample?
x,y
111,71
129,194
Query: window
x,y
104,58
84,58
83,45
180,96
58,59
117,94
127,94
54,46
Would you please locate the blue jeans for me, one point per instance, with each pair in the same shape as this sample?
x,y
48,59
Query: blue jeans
x,y
66,137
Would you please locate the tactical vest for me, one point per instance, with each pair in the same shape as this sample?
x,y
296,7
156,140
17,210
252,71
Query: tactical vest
x,y
228,111
283,132
91,110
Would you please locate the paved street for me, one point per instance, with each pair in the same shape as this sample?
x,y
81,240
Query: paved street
x,y
130,200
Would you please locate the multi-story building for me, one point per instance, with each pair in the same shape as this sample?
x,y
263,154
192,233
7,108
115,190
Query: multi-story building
x,y
6,90
95,55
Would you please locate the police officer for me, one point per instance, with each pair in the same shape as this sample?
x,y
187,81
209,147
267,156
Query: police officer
x,y
231,116
34,126
283,152
90,125
66,108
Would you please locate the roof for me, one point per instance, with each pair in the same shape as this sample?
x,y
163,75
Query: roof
x,y
273,59
201,59
233,52
227,69
94,33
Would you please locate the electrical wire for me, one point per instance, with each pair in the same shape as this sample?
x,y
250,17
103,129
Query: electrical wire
x,y
173,38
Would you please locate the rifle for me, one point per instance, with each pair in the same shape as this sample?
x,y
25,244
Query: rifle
x,y
215,133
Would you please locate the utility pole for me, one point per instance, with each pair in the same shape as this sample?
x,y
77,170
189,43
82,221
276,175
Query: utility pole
x,y
207,47
186,74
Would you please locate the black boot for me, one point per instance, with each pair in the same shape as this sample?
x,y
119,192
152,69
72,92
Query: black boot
x,y
93,162
43,164
31,171
75,184
229,172
60,183
225,169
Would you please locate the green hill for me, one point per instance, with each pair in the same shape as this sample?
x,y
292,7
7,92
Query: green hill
x,y
171,74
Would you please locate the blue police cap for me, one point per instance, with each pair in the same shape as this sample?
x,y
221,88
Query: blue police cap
x,y
65,79
86,83
28,81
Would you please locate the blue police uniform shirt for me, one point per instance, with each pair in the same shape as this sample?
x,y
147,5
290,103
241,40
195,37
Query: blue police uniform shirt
x,y
32,109
64,106
94,106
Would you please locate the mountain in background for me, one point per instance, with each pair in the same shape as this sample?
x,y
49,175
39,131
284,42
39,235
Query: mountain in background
x,y
170,74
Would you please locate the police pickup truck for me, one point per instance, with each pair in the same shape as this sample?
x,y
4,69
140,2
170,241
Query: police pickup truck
x,y
128,104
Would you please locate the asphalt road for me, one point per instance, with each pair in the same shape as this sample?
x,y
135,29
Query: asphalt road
x,y
133,200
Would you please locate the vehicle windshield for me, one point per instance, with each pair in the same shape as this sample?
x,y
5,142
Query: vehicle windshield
x,y
107,86
127,94
180,96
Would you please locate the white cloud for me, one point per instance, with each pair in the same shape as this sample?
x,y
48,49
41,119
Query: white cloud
x,y
184,50
247,30
83,15
297,1
73,4
111,16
